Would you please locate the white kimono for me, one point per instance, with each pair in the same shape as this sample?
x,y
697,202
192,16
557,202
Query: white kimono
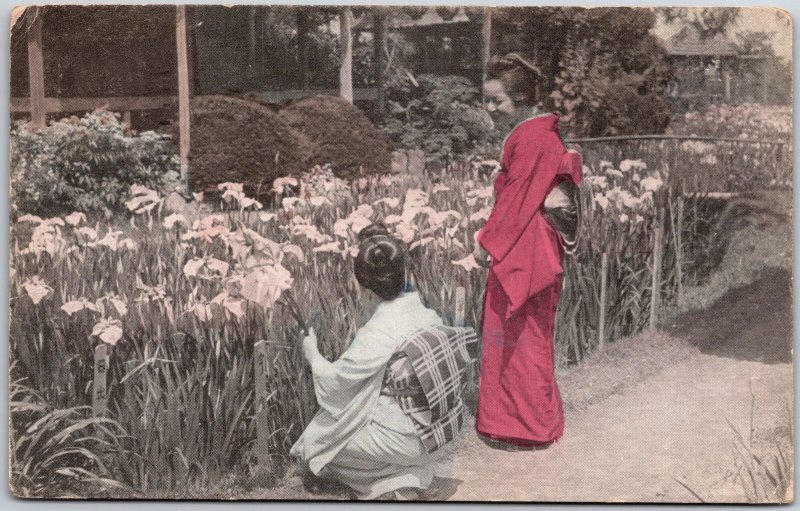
x,y
358,437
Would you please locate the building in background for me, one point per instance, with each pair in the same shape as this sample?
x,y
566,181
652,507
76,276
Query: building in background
x,y
714,69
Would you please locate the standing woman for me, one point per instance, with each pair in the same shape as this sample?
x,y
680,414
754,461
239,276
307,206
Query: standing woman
x,y
519,402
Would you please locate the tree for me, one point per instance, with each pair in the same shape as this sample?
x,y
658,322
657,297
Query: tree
x,y
779,72
603,70
755,42
709,21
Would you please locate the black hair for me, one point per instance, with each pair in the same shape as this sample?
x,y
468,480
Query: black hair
x,y
380,265
372,230
518,75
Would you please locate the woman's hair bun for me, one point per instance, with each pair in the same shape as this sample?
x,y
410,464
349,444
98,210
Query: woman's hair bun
x,y
377,229
380,263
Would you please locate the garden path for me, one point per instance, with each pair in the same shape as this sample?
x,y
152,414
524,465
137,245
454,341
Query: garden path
x,y
648,436
649,416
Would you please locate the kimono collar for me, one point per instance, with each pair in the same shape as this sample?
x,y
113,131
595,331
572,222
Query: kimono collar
x,y
546,121
540,121
404,302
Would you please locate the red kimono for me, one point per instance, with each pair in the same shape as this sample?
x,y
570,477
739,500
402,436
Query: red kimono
x,y
519,399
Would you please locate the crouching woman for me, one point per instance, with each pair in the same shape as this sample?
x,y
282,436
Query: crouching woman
x,y
376,430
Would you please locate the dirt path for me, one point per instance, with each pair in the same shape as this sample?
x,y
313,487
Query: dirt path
x,y
654,430
649,416
655,414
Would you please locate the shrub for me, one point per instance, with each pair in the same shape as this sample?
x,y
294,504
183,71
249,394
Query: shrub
x,y
339,134
86,164
441,115
242,141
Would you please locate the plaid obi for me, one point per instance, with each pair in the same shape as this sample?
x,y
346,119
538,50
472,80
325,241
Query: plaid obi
x,y
425,376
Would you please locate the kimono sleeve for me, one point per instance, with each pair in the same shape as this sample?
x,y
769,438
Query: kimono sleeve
x,y
361,367
533,166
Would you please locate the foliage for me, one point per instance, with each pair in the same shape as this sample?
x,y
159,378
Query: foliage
x,y
764,164
602,68
755,42
86,165
709,21
763,478
439,114
779,71
181,301
742,162
223,33
596,99
55,452
333,131
746,122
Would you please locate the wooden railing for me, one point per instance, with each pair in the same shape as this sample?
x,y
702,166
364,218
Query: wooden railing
x,y
704,164
136,103
116,104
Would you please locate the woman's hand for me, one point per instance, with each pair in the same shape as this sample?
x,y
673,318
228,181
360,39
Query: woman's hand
x,y
481,255
310,345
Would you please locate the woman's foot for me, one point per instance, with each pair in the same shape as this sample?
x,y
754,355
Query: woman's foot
x,y
441,488
400,494
511,445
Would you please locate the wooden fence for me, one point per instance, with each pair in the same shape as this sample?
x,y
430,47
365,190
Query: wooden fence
x,y
39,106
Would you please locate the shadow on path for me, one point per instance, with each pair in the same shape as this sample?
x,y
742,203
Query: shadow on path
x,y
752,322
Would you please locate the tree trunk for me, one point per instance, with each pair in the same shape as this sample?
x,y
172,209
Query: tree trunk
x,y
486,44
346,68
379,49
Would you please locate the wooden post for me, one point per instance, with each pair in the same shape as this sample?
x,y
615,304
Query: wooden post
x,y
170,417
183,88
302,46
191,49
252,52
99,391
601,327
263,22
675,173
261,398
378,52
726,76
346,66
655,297
459,318
486,43
679,245
36,68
